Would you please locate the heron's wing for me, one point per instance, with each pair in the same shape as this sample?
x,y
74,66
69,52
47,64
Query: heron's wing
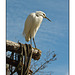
x,y
28,24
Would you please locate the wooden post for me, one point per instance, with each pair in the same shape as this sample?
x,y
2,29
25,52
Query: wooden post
x,y
16,48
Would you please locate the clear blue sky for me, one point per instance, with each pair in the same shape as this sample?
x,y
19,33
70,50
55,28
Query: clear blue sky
x,y
53,36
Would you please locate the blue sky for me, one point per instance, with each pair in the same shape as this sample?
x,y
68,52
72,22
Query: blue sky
x,y
51,35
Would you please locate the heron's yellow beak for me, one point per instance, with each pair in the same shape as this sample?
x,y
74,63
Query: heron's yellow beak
x,y
48,19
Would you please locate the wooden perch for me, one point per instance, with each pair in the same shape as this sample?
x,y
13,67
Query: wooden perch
x,y
15,47
11,62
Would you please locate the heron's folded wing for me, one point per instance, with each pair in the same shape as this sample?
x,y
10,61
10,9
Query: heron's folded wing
x,y
28,24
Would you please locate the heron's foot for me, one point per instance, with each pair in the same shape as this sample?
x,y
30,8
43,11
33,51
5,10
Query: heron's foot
x,y
37,49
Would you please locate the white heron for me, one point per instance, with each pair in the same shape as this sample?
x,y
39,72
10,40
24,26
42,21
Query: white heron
x,y
32,25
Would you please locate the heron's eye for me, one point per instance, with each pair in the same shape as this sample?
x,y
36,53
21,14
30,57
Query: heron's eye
x,y
43,14
37,15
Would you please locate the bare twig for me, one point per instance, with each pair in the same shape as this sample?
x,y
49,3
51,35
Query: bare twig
x,y
47,61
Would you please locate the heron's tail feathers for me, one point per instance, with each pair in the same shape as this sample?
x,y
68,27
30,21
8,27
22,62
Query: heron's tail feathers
x,y
27,38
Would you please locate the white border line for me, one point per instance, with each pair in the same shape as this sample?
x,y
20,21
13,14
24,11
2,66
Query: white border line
x,y
72,37
2,37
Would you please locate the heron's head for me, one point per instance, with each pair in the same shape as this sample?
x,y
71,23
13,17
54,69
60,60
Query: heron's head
x,y
40,13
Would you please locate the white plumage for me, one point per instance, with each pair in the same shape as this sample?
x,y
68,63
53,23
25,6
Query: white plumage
x,y
32,24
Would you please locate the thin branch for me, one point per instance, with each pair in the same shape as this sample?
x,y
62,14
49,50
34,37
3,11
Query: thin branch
x,y
47,61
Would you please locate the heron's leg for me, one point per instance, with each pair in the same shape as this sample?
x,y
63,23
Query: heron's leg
x,y
30,40
34,42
